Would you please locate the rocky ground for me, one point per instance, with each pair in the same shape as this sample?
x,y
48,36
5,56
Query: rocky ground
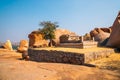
x,y
13,68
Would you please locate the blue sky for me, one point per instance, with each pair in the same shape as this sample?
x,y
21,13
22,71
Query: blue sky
x,y
19,17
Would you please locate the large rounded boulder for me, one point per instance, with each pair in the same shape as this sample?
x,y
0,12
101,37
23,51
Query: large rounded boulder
x,y
23,46
101,35
36,39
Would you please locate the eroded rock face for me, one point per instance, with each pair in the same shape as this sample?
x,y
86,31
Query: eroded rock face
x,y
100,34
114,40
107,30
8,45
36,40
23,46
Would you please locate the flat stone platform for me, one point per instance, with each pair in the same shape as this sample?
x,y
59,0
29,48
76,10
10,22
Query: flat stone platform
x,y
84,44
68,55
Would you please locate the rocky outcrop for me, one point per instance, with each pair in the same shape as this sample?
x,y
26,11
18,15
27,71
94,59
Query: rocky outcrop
x,y
114,40
23,46
100,34
107,30
8,45
61,32
36,40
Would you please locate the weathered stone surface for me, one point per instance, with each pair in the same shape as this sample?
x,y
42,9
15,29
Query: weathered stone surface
x,y
100,34
23,46
108,30
36,40
69,39
85,44
55,56
91,56
8,45
114,40
60,32
64,38
67,57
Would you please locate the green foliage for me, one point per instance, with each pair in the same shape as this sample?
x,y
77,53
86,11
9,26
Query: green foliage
x,y
48,29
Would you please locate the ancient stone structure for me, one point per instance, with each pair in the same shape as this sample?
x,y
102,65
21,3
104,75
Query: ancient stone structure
x,y
36,40
69,39
8,45
60,32
74,41
23,46
67,56
114,40
84,44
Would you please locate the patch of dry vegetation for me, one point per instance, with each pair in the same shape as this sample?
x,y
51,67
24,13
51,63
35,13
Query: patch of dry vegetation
x,y
76,50
110,63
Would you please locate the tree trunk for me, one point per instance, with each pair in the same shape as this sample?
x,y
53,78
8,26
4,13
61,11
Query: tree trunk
x,y
51,43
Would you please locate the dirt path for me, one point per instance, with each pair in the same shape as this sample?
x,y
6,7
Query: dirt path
x,y
11,68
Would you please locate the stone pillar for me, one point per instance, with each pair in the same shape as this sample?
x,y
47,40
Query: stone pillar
x,y
82,39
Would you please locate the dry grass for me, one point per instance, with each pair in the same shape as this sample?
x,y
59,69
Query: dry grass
x,y
111,63
75,50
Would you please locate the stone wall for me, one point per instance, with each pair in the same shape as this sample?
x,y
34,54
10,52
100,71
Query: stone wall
x,y
90,56
67,57
56,56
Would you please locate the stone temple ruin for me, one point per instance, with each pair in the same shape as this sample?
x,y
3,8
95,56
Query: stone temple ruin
x,y
77,41
64,38
99,36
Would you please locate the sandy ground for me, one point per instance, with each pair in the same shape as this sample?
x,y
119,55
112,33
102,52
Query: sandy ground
x,y
13,68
